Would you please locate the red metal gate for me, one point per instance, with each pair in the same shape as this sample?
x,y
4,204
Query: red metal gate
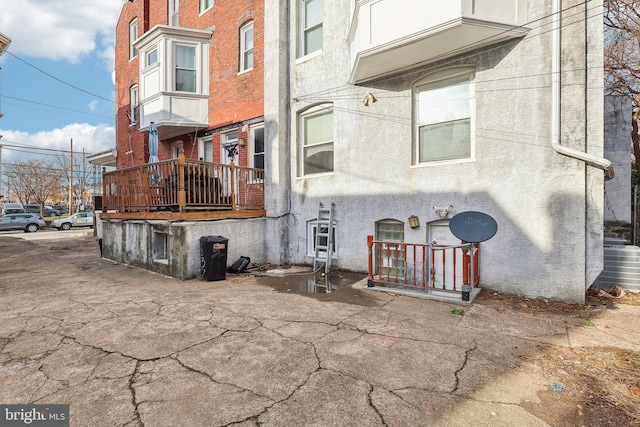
x,y
422,266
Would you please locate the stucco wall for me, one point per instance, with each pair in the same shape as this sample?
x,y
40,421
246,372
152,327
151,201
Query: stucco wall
x,y
131,242
548,207
618,149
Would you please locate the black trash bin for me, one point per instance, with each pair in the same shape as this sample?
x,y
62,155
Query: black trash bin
x,y
213,257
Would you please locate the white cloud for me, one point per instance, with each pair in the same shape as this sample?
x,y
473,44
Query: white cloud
x,y
59,29
47,144
93,105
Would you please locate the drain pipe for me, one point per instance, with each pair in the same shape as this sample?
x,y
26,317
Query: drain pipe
x,y
556,69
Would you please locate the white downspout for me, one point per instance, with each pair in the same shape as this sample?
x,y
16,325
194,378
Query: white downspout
x,y
589,159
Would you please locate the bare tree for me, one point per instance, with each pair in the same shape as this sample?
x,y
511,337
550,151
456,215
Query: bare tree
x,y
33,181
83,176
621,64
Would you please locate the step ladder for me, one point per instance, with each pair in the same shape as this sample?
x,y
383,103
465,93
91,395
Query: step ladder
x,y
324,241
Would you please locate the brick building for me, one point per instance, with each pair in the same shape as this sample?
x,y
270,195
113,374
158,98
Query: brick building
x,y
194,68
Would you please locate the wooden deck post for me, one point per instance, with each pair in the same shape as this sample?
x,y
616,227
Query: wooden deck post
x,y
182,194
370,283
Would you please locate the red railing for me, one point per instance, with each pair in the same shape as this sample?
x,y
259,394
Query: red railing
x,y
182,185
422,266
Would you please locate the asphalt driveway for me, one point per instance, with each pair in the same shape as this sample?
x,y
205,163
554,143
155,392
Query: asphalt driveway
x,y
126,347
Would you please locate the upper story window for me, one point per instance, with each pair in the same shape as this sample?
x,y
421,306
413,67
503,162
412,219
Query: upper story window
x,y
133,36
205,5
316,140
310,23
174,8
185,68
133,105
246,47
152,57
443,116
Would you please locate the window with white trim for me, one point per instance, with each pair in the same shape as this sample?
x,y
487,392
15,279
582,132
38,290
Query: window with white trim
x,y
133,105
246,47
256,134
443,116
310,26
316,140
176,149
133,36
205,5
390,257
205,148
152,57
174,8
185,76
312,229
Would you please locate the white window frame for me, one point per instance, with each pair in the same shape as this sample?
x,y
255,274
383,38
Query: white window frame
x,y
174,13
194,70
252,144
205,144
304,28
302,120
150,58
134,105
394,263
205,5
176,146
436,81
133,36
244,50
312,227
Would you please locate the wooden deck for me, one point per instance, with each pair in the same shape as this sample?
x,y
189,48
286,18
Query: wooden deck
x,y
183,189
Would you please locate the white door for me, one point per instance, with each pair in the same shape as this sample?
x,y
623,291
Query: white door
x,y
447,263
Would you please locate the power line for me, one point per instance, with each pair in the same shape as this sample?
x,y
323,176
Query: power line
x,y
60,80
52,106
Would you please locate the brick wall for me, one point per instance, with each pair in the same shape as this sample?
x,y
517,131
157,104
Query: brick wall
x,y
234,97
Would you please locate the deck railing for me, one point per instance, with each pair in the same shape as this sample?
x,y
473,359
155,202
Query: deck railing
x,y
182,185
422,266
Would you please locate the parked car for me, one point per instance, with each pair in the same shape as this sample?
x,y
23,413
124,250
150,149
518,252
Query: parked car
x,y
49,211
32,208
82,219
10,208
29,222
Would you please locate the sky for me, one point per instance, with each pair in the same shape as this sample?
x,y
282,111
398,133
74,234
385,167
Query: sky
x,y
56,77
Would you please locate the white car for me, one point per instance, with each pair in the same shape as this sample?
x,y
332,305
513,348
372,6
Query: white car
x,y
82,219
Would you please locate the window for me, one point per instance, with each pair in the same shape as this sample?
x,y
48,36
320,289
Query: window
x,y
159,244
390,258
205,5
133,105
152,57
442,116
174,7
310,21
206,149
246,47
257,146
316,138
176,149
185,68
133,36
312,229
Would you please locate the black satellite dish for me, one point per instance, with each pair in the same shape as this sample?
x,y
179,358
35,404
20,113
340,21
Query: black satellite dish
x,y
473,227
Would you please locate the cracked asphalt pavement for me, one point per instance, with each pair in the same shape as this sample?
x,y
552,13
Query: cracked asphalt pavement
x,y
126,347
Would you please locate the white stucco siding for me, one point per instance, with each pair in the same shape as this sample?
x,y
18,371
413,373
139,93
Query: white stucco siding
x,y
548,207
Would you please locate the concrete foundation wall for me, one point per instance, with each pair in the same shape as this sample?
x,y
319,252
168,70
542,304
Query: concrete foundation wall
x,y
142,243
617,128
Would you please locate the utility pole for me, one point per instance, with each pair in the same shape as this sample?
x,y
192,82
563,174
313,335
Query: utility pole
x,y
71,179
